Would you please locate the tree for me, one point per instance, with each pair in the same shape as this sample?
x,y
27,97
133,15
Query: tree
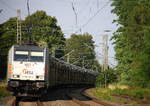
x,y
80,51
132,41
7,38
44,30
105,78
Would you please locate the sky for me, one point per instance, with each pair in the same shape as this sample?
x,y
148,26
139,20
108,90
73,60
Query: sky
x,y
73,16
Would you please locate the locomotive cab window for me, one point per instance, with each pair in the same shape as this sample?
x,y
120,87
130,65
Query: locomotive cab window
x,y
21,55
36,56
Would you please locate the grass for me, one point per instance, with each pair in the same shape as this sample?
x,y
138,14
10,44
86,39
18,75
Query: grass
x,y
3,91
103,93
137,93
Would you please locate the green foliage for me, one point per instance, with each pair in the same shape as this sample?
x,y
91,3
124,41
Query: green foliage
x,y
7,38
103,93
106,78
3,93
80,51
45,30
136,93
132,41
59,53
139,93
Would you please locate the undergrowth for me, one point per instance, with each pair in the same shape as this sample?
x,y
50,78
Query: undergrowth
x,y
107,94
3,91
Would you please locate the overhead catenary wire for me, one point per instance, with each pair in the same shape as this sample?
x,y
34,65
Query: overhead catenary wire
x,y
86,5
76,15
113,65
91,18
10,7
99,54
79,28
101,57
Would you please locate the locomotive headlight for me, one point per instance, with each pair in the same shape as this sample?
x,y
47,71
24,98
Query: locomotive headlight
x,y
16,76
14,83
40,84
39,76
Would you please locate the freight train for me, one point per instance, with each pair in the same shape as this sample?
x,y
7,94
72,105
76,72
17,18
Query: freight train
x,y
31,71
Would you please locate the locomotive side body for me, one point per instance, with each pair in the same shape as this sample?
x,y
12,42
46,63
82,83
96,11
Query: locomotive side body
x,y
62,73
27,69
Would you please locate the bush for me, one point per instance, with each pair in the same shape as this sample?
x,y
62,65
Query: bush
x,y
3,92
106,93
103,93
106,78
141,93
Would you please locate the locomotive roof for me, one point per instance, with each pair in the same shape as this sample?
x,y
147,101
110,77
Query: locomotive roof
x,y
28,47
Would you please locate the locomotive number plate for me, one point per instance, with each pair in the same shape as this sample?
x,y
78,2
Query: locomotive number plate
x,y
28,65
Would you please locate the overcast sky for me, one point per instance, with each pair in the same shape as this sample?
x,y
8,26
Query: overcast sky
x,y
93,16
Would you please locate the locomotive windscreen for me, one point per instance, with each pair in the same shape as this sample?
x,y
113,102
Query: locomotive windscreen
x,y
21,55
36,56
29,54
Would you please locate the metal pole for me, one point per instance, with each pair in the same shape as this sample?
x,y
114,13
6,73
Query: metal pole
x,y
68,58
19,38
105,57
29,25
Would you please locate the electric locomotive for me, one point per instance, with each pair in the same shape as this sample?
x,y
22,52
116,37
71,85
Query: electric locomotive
x,y
27,69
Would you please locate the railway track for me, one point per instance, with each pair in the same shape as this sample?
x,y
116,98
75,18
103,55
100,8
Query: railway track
x,y
60,97
82,99
39,103
13,101
10,101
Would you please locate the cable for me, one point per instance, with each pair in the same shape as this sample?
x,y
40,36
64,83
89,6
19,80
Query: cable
x,y
83,13
91,18
11,8
112,64
73,8
7,5
86,5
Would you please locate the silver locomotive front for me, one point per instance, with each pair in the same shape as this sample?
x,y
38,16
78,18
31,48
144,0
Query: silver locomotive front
x,y
27,69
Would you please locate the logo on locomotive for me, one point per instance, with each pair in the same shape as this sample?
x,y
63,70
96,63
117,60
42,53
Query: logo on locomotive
x,y
25,71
